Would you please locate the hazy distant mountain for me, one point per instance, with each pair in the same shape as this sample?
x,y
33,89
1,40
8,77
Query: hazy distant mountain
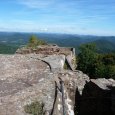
x,y
60,39
108,38
104,44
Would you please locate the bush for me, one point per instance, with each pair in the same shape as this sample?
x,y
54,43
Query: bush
x,y
35,108
87,59
100,71
34,42
94,64
65,66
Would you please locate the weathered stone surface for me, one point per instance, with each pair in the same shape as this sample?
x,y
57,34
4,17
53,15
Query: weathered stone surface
x,y
72,81
98,98
46,50
104,83
56,62
53,55
28,78
23,80
69,59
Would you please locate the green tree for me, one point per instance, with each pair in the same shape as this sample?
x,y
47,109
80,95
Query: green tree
x,y
33,41
105,66
100,70
111,71
87,59
108,59
94,64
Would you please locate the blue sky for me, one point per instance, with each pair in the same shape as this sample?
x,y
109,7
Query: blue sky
x,y
95,17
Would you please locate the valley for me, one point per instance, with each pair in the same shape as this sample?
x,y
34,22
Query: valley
x,y
10,41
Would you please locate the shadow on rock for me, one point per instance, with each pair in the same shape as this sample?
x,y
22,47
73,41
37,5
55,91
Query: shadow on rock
x,y
95,100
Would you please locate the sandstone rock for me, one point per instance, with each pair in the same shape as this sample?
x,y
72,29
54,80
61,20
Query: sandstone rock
x,y
72,81
27,78
22,81
54,55
70,59
56,62
98,98
104,83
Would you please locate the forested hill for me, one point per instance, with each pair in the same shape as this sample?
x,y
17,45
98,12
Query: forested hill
x,y
9,41
104,46
7,49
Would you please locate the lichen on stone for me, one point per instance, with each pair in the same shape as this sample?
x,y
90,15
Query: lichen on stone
x,y
35,108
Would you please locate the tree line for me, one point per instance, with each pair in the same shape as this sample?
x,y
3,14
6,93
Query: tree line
x,y
94,64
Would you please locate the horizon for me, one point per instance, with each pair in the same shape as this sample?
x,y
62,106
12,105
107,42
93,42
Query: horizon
x,y
85,17
32,33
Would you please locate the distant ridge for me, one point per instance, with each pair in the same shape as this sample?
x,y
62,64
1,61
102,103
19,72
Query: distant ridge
x,y
104,46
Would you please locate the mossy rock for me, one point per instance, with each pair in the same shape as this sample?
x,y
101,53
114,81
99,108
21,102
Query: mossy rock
x,y
35,108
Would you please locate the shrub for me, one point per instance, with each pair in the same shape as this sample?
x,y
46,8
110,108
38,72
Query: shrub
x,y
94,64
87,59
65,66
34,42
35,108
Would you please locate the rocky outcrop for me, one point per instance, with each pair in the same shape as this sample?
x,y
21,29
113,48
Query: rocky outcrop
x,y
67,82
47,50
98,98
24,79
32,77
54,55
56,62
